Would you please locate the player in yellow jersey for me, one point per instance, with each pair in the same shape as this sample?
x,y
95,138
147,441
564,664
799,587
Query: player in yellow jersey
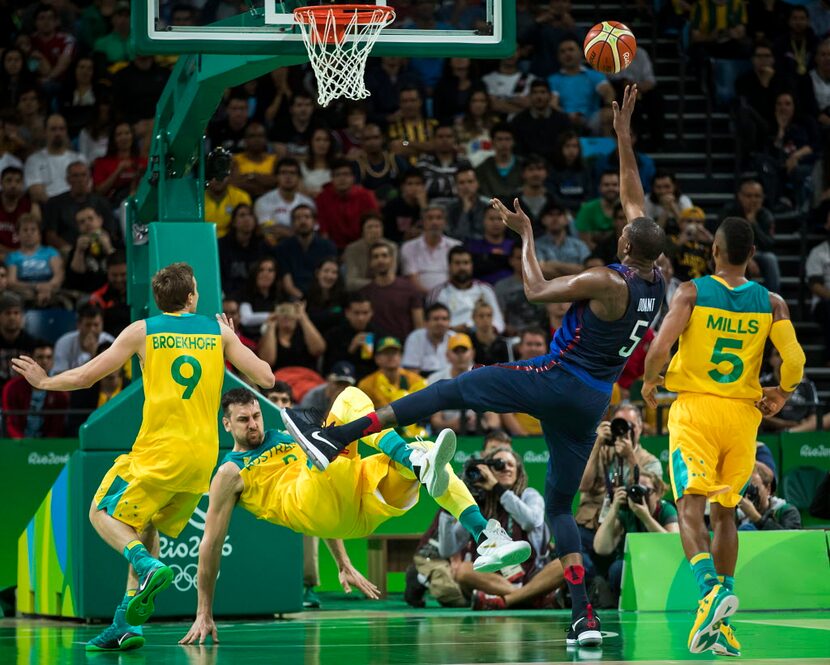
x,y
157,485
723,322
269,475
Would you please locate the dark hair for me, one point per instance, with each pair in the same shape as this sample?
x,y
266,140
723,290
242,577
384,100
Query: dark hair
x,y
303,206
409,88
237,96
111,149
87,206
739,237
659,174
383,244
334,298
288,161
11,170
647,238
445,124
357,297
502,128
762,43
748,180
458,250
539,83
606,172
241,396
340,163
412,173
497,435
274,292
43,7
434,307
117,258
558,159
488,119
237,209
796,8
172,285
369,215
534,159
570,37
281,387
329,158
531,330
90,311
302,94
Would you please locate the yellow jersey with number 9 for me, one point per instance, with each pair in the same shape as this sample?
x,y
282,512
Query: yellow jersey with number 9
x,y
722,347
178,443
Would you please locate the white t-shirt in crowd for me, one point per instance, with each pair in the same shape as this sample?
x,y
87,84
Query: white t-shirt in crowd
x,y
272,208
49,170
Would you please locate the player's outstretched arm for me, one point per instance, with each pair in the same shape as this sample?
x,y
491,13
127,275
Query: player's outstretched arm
x,y
225,489
673,325
782,336
241,357
130,341
632,196
349,575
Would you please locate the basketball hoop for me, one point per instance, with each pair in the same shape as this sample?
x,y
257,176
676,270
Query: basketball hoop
x,y
338,39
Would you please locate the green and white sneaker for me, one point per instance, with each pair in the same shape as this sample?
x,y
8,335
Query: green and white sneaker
x,y
727,644
117,638
310,599
141,606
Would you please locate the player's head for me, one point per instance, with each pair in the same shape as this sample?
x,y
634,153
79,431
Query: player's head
x,y
642,239
242,418
734,242
174,288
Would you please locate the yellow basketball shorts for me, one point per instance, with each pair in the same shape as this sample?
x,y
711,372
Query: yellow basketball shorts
x,y
135,502
712,446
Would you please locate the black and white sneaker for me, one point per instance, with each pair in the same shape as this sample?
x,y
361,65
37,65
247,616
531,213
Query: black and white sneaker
x,y
585,631
320,449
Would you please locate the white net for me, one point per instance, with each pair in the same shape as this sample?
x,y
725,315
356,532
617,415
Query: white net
x,y
338,46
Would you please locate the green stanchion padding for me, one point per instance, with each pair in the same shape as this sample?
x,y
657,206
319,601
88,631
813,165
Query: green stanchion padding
x,y
657,577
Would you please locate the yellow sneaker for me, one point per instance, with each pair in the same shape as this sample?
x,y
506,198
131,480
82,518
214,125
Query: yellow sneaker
x,y
727,644
712,609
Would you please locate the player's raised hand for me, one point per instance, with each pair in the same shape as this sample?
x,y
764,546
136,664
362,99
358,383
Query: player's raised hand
x,y
517,221
622,114
349,575
203,627
29,370
649,391
771,403
223,318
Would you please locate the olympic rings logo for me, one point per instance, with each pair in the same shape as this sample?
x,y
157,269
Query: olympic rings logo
x,y
184,577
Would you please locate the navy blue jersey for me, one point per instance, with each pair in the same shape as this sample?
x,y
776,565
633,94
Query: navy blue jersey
x,y
597,350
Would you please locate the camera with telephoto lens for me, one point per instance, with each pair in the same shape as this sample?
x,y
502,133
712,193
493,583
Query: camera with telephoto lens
x,y
620,428
637,493
472,474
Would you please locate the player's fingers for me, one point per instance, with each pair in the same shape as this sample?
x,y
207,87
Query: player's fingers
x,y
215,635
346,587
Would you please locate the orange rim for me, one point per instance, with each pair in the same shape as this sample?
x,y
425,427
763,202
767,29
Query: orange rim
x,y
343,13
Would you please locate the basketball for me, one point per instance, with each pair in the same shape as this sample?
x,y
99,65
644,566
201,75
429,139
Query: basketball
x,y
610,47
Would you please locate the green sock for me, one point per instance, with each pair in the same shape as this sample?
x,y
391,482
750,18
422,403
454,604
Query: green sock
x,y
120,619
472,520
728,582
139,557
394,447
704,572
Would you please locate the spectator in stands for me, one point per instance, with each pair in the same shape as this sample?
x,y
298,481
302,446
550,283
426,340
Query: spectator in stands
x,y
341,205
558,252
326,296
229,132
254,169
820,79
14,203
385,82
78,103
397,304
111,298
293,133
14,340
26,420
440,166
137,88
500,176
761,510
231,309
350,137
510,291
115,176
390,381
611,162
556,315
491,252
52,49
115,48
453,90
377,168
260,297
9,140
570,180
354,340
489,346
650,513
59,213
749,204
300,254
425,349
356,255
321,398
425,259
533,196
817,272
551,24
606,249
221,199
94,397
461,356
691,251
649,98
411,133
795,49
316,166
532,342
508,86
538,127
27,132
799,413
819,17
15,77
239,250
75,348
274,209
94,137
474,128
290,339
584,94
35,271
793,149
281,394
46,169
665,201
461,292
86,264
466,210
595,217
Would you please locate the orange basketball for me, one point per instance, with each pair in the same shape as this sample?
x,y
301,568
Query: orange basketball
x,y
610,47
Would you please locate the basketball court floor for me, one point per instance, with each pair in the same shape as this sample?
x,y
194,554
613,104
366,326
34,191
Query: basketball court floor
x,y
353,632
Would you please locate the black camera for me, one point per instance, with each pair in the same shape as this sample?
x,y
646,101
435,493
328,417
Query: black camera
x,y
637,493
620,428
753,496
472,474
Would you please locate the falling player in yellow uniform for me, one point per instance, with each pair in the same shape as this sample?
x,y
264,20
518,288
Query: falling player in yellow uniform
x,y
269,475
157,485
723,322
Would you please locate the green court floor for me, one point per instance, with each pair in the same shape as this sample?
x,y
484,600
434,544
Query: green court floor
x,y
352,632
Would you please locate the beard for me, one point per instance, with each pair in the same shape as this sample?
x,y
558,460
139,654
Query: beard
x,y
463,277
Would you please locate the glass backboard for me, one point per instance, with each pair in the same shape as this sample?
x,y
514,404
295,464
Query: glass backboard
x,y
469,28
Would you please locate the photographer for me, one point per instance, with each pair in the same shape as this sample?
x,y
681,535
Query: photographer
x,y
638,508
759,510
616,453
499,484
